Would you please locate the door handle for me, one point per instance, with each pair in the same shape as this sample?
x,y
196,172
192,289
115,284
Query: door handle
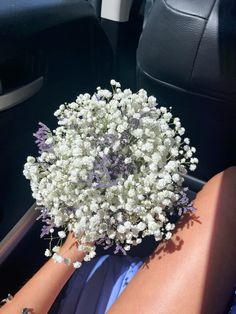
x,y
20,94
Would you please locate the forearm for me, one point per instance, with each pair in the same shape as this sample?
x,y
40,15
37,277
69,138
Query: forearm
x,y
39,293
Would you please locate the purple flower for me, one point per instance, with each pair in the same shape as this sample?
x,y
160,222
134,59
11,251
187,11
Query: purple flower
x,y
101,240
119,248
46,229
45,217
41,137
135,123
105,242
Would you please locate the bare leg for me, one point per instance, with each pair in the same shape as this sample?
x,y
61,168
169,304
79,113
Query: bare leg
x,y
195,272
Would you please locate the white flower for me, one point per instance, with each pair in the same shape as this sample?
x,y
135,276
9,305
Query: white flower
x,y
156,157
127,247
135,232
138,133
114,170
152,226
192,167
168,227
77,264
161,184
131,193
116,145
186,140
156,209
167,142
168,235
56,249
147,147
127,160
189,154
127,224
152,100
176,177
58,220
49,141
121,229
177,139
87,258
47,253
30,159
166,202
174,151
92,254
181,131
62,234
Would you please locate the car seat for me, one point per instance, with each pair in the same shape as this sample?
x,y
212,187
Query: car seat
x,y
186,57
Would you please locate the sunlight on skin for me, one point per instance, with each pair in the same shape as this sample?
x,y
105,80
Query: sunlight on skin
x,y
176,278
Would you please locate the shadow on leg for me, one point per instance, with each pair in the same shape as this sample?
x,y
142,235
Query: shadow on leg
x,y
195,271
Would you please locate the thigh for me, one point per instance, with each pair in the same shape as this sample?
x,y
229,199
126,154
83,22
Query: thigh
x,y
195,271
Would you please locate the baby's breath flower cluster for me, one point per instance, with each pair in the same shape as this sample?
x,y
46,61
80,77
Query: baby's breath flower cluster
x,y
111,172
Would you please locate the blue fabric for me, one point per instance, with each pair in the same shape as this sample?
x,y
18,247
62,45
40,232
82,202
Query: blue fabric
x,y
95,286
233,307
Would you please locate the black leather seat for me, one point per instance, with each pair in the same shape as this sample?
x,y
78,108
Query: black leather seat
x,y
187,58
50,51
55,50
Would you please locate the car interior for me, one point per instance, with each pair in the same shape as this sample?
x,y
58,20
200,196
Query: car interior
x,y
181,51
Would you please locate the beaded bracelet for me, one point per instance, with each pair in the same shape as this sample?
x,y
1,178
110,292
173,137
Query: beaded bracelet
x,y
6,300
26,311
9,298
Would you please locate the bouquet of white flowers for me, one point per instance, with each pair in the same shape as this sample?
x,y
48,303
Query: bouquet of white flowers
x,y
111,172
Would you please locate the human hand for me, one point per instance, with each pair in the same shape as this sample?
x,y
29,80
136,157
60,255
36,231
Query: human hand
x,y
70,248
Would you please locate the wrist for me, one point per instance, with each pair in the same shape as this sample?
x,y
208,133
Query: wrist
x,y
72,253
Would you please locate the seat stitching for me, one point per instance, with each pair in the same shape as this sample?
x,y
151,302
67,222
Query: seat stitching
x,y
176,87
182,12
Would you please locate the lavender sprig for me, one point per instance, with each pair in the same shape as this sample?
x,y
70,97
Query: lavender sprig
x,y
42,136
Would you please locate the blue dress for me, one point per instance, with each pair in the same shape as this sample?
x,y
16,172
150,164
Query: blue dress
x,y
95,286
